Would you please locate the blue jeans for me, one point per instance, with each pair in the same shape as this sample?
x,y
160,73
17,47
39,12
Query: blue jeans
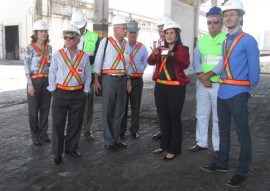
x,y
235,107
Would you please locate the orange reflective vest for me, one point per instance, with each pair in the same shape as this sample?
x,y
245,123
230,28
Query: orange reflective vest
x,y
72,72
43,61
120,56
226,65
163,67
135,71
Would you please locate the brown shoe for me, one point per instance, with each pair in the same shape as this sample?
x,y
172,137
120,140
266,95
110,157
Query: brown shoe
x,y
196,148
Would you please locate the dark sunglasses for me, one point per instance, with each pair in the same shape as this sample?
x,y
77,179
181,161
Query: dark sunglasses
x,y
213,22
69,37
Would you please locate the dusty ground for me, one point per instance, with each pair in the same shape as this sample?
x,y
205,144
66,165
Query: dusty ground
x,y
26,167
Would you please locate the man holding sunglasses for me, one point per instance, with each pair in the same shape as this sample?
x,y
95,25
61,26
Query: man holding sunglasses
x,y
69,80
207,65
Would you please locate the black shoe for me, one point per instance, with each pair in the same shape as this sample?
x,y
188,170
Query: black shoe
x,y
121,145
165,158
157,136
89,135
57,160
46,138
158,151
111,148
134,135
197,148
237,180
122,135
74,153
213,167
37,142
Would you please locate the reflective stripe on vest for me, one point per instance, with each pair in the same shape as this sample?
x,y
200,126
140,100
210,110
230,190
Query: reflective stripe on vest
x,y
43,62
120,56
72,72
135,71
211,53
226,65
164,68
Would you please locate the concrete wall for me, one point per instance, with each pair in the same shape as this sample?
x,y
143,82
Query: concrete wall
x,y
184,14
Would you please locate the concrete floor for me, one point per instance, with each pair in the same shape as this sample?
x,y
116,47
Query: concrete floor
x,y
29,168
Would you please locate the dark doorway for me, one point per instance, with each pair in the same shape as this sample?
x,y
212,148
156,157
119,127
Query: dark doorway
x,y
12,42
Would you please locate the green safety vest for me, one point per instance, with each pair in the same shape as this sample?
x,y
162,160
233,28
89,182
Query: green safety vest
x,y
211,52
89,45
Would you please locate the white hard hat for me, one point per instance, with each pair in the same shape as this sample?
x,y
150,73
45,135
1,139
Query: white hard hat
x,y
163,19
133,26
118,20
72,29
171,25
78,19
40,25
233,4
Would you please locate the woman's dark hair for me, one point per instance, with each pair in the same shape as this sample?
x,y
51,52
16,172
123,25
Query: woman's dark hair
x,y
178,40
34,38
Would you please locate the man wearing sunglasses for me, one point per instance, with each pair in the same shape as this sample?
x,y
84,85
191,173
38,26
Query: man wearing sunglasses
x,y
69,80
89,44
207,65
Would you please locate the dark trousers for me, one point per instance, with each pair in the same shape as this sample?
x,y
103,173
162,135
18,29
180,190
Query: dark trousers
x,y
67,104
88,110
169,101
114,99
39,107
134,97
237,108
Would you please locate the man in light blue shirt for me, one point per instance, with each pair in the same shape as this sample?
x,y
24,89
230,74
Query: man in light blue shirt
x,y
241,69
112,62
138,62
69,80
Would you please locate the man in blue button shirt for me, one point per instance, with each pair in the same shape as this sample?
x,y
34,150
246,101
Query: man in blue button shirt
x,y
241,70
138,61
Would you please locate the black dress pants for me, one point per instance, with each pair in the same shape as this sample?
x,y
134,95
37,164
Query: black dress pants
x,y
169,101
67,104
134,98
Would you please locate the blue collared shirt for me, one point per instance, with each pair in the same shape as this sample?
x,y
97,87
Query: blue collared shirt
x,y
244,64
140,58
59,70
110,56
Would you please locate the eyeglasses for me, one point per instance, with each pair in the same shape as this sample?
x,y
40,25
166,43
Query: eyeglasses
x,y
169,33
213,22
69,37
230,15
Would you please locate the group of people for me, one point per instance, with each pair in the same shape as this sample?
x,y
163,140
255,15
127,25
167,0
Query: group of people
x,y
227,66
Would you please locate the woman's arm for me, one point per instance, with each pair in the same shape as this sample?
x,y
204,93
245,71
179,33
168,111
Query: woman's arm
x,y
181,57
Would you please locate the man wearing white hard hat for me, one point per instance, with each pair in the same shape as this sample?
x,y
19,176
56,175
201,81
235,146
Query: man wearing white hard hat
x,y
69,80
36,65
112,63
89,42
160,44
241,71
138,61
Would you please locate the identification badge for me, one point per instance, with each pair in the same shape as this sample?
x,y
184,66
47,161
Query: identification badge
x,y
165,52
79,69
